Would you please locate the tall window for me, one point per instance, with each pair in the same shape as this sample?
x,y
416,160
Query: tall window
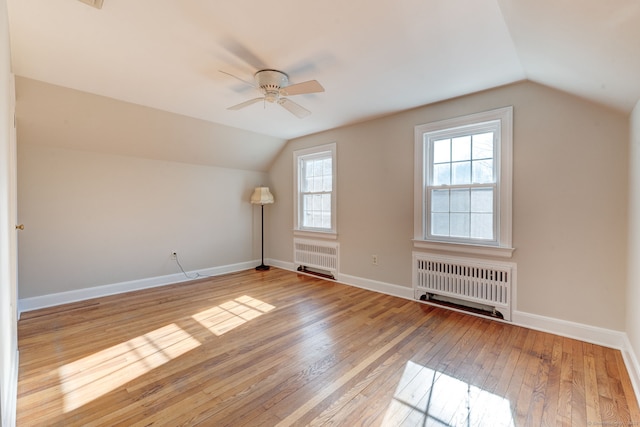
x,y
315,189
463,180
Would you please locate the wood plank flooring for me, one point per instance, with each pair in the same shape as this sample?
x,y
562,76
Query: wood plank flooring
x,y
278,348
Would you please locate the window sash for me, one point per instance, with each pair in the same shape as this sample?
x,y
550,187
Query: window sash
x,y
475,216
459,146
316,210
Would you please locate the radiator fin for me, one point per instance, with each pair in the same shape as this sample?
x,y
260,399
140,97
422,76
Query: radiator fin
x,y
465,279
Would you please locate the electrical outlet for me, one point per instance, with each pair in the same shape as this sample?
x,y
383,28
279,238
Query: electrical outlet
x,y
174,255
374,259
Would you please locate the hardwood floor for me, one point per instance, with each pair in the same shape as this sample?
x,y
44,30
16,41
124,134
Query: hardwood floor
x,y
279,348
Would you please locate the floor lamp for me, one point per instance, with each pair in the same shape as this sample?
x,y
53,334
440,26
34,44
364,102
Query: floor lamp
x,y
261,196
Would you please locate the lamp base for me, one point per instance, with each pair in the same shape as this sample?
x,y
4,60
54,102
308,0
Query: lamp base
x,y
262,267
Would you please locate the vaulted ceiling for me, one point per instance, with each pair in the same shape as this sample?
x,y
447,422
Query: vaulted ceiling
x,y
372,57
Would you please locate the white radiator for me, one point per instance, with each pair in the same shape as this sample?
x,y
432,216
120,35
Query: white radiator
x,y
316,254
465,280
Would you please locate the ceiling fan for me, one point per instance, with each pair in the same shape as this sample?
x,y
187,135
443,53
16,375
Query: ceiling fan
x,y
275,87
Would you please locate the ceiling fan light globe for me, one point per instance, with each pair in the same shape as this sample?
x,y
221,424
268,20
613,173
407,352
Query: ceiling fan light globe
x,y
271,96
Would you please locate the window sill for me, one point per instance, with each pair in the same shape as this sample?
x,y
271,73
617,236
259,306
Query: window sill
x,y
495,251
329,235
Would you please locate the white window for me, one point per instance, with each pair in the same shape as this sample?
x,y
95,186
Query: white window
x,y
463,183
315,189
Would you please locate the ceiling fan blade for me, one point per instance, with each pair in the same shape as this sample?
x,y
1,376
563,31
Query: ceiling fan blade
x,y
311,86
95,3
243,53
245,103
238,78
296,109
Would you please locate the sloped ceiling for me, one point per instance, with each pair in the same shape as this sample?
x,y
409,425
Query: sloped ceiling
x,y
373,58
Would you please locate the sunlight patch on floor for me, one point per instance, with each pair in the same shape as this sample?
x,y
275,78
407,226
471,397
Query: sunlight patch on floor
x,y
428,397
91,377
231,314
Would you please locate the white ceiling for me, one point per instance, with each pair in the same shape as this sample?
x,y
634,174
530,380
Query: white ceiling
x,y
372,57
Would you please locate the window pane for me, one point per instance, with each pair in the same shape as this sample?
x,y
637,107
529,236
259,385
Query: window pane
x,y
326,220
327,183
482,226
326,202
316,184
306,177
440,224
317,167
442,174
483,171
308,168
482,200
307,219
326,167
483,146
460,200
317,202
461,173
461,148
317,219
439,200
459,225
441,151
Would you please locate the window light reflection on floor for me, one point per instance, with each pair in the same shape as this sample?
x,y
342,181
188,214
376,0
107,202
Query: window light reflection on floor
x,y
91,377
231,314
428,397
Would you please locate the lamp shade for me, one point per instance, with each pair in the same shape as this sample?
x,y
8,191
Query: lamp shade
x,y
261,196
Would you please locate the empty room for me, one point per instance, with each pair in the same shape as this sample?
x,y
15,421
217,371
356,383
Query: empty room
x,y
399,213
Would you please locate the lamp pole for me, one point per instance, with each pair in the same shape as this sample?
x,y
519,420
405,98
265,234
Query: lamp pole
x,y
262,267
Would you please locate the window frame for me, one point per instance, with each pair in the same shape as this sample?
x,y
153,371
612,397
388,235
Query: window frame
x,y
503,159
298,157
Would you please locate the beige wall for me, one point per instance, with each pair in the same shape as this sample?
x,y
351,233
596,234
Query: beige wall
x,y
633,289
569,204
94,219
97,214
61,117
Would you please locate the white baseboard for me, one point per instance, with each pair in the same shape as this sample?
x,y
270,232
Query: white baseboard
x,y
374,285
50,300
565,328
282,264
633,367
369,284
358,282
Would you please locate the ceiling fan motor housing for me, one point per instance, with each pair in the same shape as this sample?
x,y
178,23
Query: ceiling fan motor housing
x,y
271,81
